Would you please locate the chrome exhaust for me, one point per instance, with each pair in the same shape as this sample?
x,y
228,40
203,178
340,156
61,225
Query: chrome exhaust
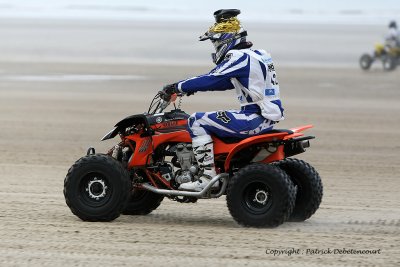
x,y
200,194
223,187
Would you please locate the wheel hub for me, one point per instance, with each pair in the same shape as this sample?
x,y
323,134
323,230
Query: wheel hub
x,y
96,188
261,196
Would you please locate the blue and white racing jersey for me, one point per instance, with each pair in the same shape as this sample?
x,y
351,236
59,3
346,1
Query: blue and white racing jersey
x,y
251,73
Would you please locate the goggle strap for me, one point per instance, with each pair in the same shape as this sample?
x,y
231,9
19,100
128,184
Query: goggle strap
x,y
240,35
206,37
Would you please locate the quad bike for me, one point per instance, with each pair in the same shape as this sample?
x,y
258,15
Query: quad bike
x,y
390,58
263,187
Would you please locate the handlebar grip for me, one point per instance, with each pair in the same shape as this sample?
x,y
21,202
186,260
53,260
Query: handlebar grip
x,y
173,97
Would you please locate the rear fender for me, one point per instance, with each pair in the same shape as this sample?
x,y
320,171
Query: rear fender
x,y
265,138
279,154
301,128
297,131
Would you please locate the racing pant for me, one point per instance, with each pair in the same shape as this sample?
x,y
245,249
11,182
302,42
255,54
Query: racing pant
x,y
230,123
223,124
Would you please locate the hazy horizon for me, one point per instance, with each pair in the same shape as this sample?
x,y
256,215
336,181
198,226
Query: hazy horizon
x,y
290,11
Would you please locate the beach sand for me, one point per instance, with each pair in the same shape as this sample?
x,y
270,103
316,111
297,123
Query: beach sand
x,y
51,111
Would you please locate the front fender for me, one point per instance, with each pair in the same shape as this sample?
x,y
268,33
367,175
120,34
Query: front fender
x,y
127,122
110,134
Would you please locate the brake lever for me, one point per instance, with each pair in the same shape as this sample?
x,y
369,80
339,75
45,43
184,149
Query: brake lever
x,y
163,105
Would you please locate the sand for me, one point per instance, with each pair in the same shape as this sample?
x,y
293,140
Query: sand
x,y
50,112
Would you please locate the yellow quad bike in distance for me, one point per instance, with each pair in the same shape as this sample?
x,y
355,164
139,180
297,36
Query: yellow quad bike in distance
x,y
390,57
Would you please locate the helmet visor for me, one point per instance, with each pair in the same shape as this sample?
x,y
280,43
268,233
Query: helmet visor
x,y
213,36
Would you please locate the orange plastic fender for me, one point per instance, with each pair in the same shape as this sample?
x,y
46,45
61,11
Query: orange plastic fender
x,y
251,141
297,131
301,128
143,149
177,136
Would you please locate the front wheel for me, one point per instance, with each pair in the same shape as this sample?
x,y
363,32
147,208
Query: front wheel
x,y
260,195
366,61
97,188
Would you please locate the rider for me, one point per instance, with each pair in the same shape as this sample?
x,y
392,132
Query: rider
x,y
250,72
392,39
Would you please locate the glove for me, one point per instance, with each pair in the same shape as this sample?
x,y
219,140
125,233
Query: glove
x,y
167,91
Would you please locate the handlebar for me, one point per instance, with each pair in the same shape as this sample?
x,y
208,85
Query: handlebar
x,y
158,104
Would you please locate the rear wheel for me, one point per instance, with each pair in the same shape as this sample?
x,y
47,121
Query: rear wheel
x,y
97,188
260,195
366,61
309,188
142,202
389,63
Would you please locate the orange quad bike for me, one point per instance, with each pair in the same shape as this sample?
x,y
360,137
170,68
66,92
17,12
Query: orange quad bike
x,y
263,186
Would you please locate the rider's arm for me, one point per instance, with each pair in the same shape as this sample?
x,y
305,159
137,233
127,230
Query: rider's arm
x,y
218,79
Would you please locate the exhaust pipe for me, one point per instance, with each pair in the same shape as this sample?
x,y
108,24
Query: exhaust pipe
x,y
305,144
200,194
296,146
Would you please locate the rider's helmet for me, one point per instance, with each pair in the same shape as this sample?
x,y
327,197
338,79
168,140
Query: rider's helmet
x,y
225,34
393,24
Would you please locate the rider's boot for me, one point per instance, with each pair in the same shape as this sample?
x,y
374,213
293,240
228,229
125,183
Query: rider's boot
x,y
203,148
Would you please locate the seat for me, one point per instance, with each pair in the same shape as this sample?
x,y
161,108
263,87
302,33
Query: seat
x,y
232,140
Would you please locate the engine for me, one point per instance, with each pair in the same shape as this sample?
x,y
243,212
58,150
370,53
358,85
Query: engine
x,y
187,163
184,161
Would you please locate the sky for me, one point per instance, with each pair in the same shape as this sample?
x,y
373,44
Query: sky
x,y
289,11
